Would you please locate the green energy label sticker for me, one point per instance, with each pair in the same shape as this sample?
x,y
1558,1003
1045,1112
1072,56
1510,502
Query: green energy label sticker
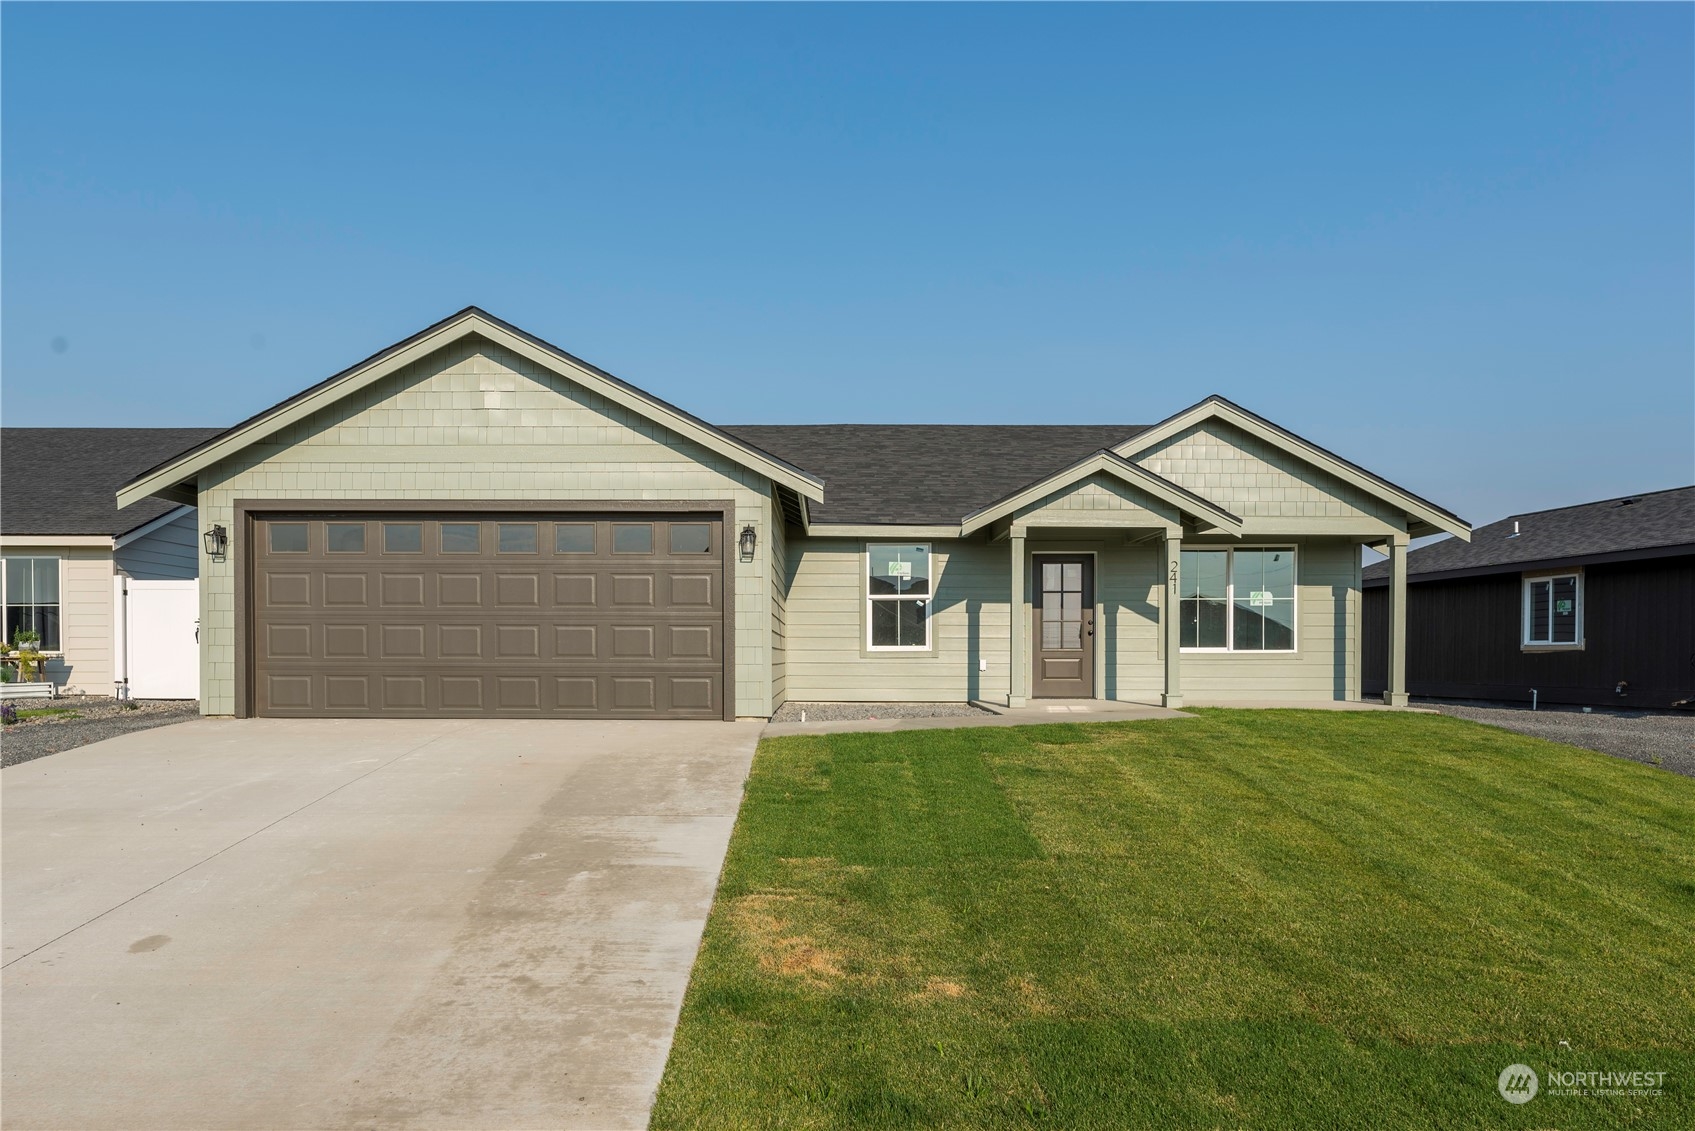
x,y
1259,598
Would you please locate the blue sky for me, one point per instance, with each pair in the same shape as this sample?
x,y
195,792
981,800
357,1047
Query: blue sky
x,y
1453,243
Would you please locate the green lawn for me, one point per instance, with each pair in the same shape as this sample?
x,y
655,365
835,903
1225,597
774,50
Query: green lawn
x,y
45,712
1253,919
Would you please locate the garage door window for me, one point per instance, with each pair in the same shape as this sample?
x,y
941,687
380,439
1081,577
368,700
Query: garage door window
x,y
288,537
632,538
461,537
691,538
403,537
573,538
517,538
345,537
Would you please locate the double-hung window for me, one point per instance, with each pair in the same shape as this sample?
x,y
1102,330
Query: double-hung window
x,y
897,597
1553,609
31,599
1238,600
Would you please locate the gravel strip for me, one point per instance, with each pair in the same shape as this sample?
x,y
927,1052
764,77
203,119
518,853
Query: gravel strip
x,y
853,712
1663,740
97,718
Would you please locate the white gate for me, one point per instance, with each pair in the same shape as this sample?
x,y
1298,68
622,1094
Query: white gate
x,y
163,639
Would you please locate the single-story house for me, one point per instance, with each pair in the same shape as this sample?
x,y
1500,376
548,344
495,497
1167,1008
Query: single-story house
x,y
1591,604
474,522
70,551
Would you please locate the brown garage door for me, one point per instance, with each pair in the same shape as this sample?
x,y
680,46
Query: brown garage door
x,y
431,615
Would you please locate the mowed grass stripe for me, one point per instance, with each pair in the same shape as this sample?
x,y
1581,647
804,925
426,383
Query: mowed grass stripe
x,y
1255,919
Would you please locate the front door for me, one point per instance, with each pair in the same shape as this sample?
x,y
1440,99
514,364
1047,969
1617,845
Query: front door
x,y
1065,626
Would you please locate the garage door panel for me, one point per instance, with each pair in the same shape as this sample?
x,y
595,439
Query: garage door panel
x,y
575,641
345,590
522,617
632,590
346,642
517,640
288,641
403,693
459,641
693,591
402,590
402,641
574,590
288,590
459,590
517,589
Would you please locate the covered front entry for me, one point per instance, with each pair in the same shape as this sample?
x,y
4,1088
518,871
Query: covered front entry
x,y
441,613
1064,638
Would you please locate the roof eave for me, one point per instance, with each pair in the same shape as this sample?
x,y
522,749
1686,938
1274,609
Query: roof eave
x,y
471,320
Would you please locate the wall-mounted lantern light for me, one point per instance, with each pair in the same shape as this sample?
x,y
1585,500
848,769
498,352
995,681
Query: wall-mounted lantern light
x,y
217,541
748,541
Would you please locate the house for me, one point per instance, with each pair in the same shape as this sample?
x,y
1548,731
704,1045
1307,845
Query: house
x,y
69,550
1591,604
474,522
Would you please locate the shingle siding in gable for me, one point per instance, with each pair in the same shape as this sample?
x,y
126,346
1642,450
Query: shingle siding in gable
x,y
1255,479
473,421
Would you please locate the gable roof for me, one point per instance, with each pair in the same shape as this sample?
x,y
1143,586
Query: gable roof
x,y
64,480
1108,463
1426,516
1627,525
925,474
470,321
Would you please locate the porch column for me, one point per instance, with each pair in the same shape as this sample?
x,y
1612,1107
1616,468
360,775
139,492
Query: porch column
x,y
1395,694
1170,622
1016,695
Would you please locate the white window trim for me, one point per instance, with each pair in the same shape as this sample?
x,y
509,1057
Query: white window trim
x,y
1525,583
1230,603
928,598
6,602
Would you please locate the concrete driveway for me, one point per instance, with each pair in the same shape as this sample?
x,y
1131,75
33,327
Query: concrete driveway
x,y
293,924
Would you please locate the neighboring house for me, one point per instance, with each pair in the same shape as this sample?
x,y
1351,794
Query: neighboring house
x,y
1591,604
475,522
68,547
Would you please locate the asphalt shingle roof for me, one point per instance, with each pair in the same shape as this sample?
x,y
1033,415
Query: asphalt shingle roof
x,y
1610,526
65,480
925,474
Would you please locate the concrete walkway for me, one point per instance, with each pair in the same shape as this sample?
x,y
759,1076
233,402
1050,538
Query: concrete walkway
x,y
1061,711
1055,711
292,924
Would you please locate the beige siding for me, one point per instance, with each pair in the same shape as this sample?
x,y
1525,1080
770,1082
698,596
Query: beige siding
x,y
1254,479
475,421
778,551
827,660
170,553
84,665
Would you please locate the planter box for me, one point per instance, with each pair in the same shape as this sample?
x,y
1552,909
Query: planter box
x,y
25,691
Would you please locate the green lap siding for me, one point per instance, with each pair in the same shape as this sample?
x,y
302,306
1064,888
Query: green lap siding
x,y
827,661
475,421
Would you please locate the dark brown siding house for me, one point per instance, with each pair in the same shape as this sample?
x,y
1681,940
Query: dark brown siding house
x,y
1592,604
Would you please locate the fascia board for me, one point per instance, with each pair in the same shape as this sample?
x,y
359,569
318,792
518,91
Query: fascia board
x,y
147,528
385,364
